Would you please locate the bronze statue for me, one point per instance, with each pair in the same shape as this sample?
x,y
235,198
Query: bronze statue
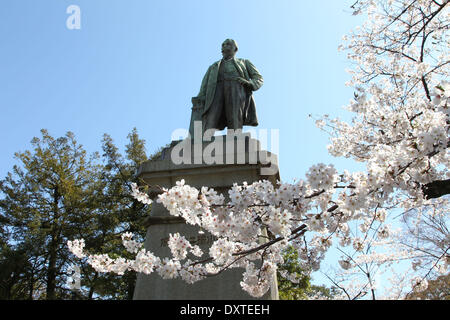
x,y
225,98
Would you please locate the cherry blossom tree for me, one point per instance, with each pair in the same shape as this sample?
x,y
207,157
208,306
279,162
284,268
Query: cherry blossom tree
x,y
399,130
395,263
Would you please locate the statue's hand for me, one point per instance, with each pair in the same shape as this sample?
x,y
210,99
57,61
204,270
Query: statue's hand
x,y
244,82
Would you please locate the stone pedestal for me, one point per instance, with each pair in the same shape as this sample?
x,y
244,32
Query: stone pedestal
x,y
248,163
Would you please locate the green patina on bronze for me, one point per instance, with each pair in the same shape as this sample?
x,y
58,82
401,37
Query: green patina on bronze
x,y
225,98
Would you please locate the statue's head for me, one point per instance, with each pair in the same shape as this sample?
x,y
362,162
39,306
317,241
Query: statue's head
x,y
229,48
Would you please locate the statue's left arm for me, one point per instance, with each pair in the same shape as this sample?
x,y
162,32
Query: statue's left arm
x,y
256,78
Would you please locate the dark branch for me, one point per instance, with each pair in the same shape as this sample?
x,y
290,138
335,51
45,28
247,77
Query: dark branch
x,y
436,189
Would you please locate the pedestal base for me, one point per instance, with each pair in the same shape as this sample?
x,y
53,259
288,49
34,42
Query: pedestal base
x,y
219,176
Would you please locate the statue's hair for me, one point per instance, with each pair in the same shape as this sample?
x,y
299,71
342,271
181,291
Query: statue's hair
x,y
233,41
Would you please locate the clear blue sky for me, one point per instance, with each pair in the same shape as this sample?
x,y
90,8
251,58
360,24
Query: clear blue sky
x,y
138,63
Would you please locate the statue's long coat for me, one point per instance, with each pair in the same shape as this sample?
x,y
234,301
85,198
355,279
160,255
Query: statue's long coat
x,y
247,71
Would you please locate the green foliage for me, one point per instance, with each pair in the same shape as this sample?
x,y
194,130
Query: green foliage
x,y
47,199
288,290
119,212
57,193
15,270
302,288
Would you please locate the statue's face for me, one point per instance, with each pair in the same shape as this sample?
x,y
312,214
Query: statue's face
x,y
228,49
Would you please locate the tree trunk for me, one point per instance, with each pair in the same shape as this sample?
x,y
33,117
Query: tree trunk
x,y
51,271
92,290
31,286
131,285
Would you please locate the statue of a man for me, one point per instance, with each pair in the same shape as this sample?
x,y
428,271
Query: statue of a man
x,y
225,98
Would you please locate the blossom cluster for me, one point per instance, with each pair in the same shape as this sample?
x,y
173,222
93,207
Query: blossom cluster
x,y
131,245
139,195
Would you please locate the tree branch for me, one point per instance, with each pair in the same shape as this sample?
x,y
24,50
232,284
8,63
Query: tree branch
x,y
436,189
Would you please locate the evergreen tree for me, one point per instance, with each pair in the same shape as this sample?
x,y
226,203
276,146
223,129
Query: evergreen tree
x,y
47,199
119,212
58,193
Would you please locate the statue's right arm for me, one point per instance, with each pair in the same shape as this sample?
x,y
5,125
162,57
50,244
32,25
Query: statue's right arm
x,y
202,94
